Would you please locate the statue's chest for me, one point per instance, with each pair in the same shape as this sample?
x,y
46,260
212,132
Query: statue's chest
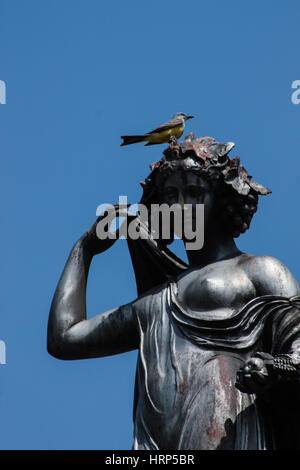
x,y
215,288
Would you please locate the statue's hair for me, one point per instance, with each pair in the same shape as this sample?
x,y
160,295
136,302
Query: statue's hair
x,y
237,193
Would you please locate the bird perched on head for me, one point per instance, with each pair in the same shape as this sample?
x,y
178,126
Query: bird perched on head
x,y
162,133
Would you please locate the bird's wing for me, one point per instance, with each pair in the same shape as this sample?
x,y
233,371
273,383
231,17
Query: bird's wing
x,y
166,125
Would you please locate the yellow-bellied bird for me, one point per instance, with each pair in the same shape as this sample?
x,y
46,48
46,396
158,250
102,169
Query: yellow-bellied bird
x,y
162,133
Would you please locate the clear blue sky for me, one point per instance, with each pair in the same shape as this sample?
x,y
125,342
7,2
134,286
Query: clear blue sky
x,y
79,73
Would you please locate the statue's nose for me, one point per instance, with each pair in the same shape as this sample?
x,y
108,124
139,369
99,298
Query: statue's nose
x,y
181,200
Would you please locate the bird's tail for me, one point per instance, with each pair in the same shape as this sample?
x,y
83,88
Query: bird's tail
x,y
133,139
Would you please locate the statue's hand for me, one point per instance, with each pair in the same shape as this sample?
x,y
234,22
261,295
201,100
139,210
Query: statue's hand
x,y
257,374
94,240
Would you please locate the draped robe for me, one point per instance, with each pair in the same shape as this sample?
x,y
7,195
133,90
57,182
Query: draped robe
x,y
185,394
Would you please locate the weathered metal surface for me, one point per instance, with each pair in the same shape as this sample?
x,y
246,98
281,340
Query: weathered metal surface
x,y
206,331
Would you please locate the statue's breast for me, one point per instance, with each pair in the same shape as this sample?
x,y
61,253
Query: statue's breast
x,y
222,287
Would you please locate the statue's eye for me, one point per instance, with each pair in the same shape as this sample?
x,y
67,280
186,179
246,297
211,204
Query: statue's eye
x,y
194,191
171,192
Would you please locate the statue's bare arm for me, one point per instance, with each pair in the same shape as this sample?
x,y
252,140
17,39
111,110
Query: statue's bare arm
x,y
271,278
70,334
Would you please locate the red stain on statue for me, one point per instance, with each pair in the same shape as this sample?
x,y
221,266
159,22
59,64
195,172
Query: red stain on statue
x,y
225,372
186,382
223,386
214,432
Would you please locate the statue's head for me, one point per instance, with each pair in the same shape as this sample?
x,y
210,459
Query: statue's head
x,y
199,170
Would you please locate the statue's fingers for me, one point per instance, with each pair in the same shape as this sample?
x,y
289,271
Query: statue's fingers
x,y
258,376
241,387
240,384
249,385
113,210
247,378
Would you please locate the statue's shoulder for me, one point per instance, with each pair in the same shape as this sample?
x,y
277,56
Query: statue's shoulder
x,y
270,276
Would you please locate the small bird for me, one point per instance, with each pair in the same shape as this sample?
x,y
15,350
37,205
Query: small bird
x,y
162,133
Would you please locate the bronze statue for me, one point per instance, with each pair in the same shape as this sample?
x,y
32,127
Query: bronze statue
x,y
218,338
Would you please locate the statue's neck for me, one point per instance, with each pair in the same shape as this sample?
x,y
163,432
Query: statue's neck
x,y
217,246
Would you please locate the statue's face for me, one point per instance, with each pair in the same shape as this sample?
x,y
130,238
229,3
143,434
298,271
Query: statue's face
x,y
184,187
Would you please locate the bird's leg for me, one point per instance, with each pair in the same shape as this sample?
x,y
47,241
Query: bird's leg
x,y
173,141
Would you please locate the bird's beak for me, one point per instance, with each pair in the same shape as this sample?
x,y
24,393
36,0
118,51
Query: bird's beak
x,y
189,117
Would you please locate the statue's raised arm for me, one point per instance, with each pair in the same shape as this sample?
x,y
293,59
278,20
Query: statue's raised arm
x,y
70,334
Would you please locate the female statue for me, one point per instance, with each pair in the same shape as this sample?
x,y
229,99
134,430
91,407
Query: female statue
x,y
218,338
